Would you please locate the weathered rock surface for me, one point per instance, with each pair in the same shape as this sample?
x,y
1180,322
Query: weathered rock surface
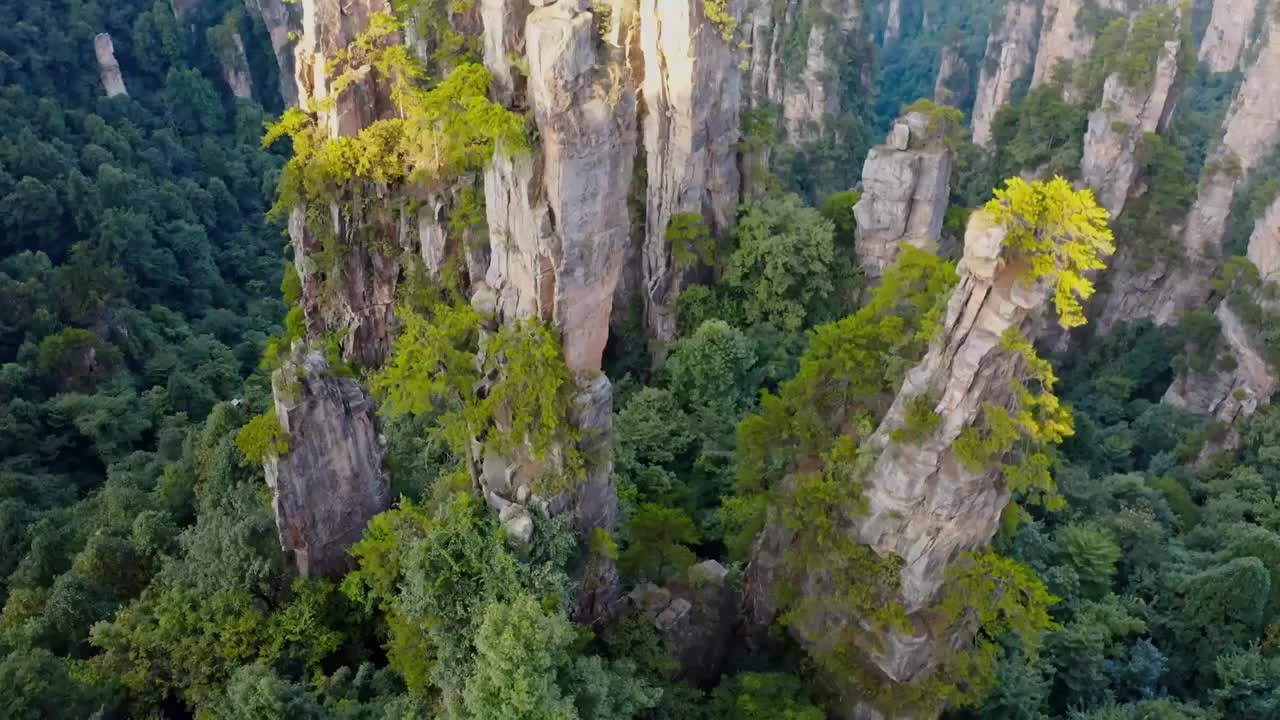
x,y
692,95
235,66
1064,41
558,218
905,190
1228,395
1231,392
925,506
559,230
108,67
1224,41
952,86
1250,132
1110,164
694,613
280,21
330,483
328,26
1011,48
893,21
503,22
806,82
1264,244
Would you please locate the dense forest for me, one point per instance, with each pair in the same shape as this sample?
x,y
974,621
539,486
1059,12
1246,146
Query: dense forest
x,y
413,389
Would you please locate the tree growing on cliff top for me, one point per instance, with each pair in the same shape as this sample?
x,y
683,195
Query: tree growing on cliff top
x,y
1060,233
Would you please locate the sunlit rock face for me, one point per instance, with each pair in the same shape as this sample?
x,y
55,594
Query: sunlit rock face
x,y
1011,50
1223,46
692,94
925,506
905,189
1110,162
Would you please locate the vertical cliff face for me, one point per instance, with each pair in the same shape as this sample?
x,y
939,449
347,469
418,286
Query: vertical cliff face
x,y
692,95
235,65
108,66
503,26
280,21
905,189
1011,48
1064,41
1250,132
952,86
926,506
1224,41
1110,164
893,21
1233,390
559,230
798,52
558,218
330,483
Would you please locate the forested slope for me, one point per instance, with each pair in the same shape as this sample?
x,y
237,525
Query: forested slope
x,y
506,360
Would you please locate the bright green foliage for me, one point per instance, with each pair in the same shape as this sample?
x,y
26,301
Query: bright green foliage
x,y
1093,554
535,389
527,669
1134,52
658,546
817,509
946,123
838,208
719,15
781,271
37,686
764,696
690,240
999,598
1060,234
920,421
262,436
433,369
847,367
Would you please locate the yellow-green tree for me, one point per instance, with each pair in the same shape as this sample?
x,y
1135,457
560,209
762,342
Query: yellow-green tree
x,y
1060,233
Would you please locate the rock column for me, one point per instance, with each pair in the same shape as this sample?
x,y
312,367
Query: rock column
x,y
692,95
906,187
1011,48
109,68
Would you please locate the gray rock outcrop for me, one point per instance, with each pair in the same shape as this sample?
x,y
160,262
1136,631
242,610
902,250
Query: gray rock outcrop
x,y
1233,391
108,67
235,65
694,613
1011,50
1064,41
1110,162
952,86
801,75
1223,46
329,484
280,21
924,505
692,95
905,191
1250,133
